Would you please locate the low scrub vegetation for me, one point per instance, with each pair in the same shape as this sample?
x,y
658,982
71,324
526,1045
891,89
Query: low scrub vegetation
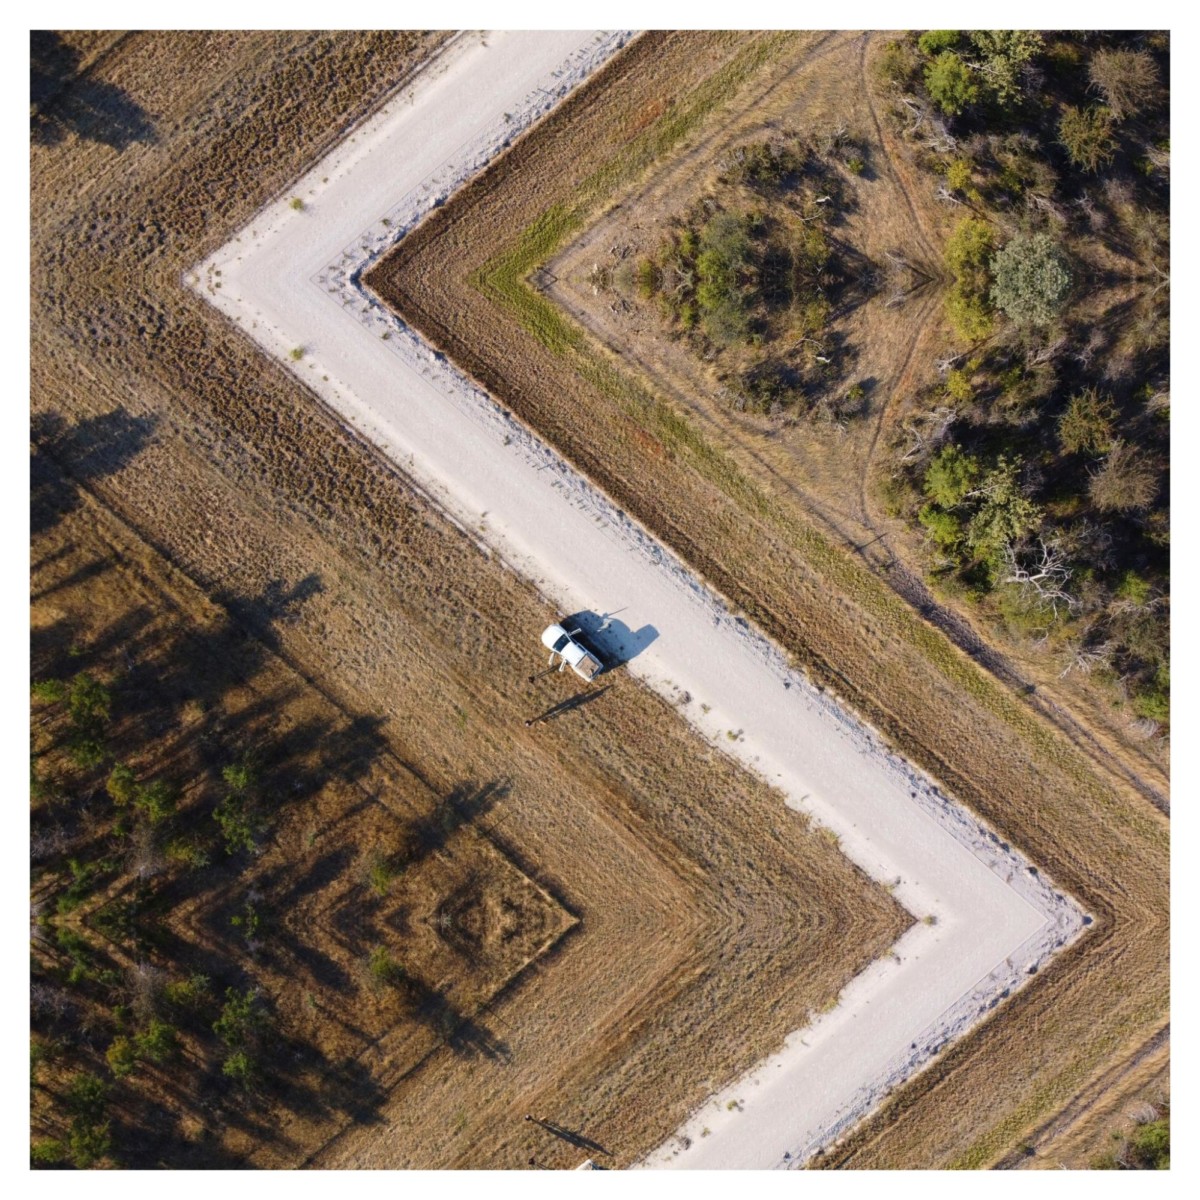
x,y
751,275
1037,467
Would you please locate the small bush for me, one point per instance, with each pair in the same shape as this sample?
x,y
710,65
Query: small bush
x,y
1087,424
897,65
1127,79
933,41
157,1043
383,968
296,353
121,1057
1126,482
1087,135
190,993
647,278
122,785
958,387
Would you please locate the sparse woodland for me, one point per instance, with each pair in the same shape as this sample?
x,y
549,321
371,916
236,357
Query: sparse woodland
x,y
1038,465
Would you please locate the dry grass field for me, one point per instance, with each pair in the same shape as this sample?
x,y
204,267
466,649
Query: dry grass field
x,y
581,904
487,278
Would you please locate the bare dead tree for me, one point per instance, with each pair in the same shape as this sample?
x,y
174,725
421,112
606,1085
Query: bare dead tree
x,y
1046,576
1085,659
945,364
927,431
1046,354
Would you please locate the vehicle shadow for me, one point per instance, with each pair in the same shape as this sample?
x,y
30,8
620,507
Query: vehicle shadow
x,y
613,641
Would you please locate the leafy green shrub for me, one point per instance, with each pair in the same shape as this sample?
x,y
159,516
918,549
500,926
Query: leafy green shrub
x,y
189,993
1003,55
897,65
242,1018
156,801
50,691
88,1143
241,1068
86,1096
933,41
236,813
1005,515
122,785
383,968
47,1152
1032,279
121,1057
969,249
968,255
1133,589
951,84
958,386
943,527
188,851
157,1043
647,278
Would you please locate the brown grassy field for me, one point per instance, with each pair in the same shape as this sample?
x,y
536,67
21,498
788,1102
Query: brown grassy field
x,y
608,894
1052,774
1101,1113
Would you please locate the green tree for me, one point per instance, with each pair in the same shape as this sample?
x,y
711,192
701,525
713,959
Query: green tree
x,y
944,528
951,83
383,968
242,1018
190,993
1032,279
241,1067
1088,137
1004,53
951,476
724,257
968,255
1005,515
88,1143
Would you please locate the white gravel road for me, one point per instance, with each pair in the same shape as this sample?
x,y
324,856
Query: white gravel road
x,y
290,279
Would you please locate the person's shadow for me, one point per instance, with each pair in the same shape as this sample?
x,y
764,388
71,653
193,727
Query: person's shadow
x,y
612,640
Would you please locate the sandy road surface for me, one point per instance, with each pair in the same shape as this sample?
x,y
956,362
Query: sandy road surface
x,y
290,280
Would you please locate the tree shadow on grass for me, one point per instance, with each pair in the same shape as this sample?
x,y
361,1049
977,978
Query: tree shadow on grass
x,y
68,456
63,100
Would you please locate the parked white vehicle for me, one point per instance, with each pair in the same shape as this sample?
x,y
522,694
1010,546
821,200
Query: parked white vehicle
x,y
572,652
